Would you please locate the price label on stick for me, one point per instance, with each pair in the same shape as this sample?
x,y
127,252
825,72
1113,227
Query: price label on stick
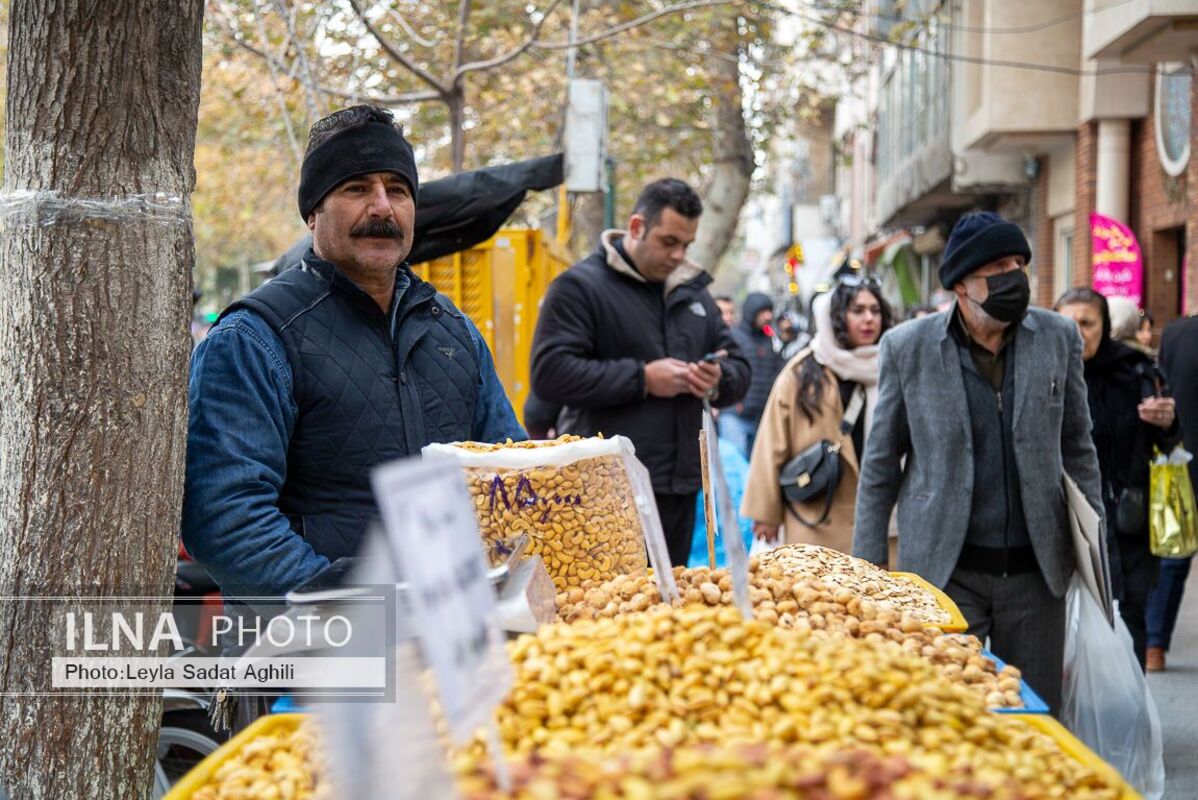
x,y
655,539
431,527
734,546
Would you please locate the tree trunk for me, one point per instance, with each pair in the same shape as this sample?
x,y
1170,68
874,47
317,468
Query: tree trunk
x,y
96,253
732,160
587,222
457,134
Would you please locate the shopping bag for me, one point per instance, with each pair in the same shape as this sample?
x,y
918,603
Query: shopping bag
x,y
1172,521
1105,700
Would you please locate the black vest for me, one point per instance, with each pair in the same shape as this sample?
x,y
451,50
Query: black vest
x,y
996,517
364,396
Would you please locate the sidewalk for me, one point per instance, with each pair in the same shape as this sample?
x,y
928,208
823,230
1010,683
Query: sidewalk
x,y
1175,691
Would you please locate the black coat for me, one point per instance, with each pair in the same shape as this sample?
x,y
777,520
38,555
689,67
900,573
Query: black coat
x,y
1117,379
1179,362
758,349
598,327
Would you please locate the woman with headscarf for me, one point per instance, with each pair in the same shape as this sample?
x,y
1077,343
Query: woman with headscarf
x,y
807,404
1129,417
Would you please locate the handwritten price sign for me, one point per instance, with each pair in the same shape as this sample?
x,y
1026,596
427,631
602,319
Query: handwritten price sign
x,y
430,523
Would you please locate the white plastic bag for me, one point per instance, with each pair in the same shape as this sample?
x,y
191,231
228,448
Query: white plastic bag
x,y
574,498
1105,700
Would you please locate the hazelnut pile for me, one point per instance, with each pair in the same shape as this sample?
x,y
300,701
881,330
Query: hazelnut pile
x,y
581,518
807,605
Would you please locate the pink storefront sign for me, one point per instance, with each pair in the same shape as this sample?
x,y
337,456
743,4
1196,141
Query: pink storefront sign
x,y
1118,263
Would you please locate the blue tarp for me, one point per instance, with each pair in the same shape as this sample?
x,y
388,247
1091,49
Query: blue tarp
x,y
736,470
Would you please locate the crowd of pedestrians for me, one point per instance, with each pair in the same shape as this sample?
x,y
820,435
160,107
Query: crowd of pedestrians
x,y
950,434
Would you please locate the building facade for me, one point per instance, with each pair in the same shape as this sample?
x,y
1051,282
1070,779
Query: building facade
x,y
1042,110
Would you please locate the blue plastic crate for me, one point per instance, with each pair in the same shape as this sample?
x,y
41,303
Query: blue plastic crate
x,y
1032,704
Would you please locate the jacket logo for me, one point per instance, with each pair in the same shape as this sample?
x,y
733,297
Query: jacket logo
x,y
447,351
698,310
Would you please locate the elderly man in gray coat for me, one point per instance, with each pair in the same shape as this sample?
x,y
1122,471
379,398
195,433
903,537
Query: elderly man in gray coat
x,y
987,403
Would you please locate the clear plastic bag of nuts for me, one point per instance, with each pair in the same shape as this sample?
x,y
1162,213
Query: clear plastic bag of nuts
x,y
574,497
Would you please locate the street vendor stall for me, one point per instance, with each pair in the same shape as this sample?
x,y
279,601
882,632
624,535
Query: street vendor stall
x,y
836,680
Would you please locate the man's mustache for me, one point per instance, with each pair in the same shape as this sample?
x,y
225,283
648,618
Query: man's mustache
x,y
378,229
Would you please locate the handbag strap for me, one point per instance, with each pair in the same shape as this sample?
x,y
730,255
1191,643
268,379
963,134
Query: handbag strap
x,y
856,403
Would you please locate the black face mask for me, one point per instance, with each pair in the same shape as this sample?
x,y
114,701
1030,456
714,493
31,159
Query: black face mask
x,y
1009,296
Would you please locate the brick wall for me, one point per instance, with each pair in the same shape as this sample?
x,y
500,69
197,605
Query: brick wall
x,y
1192,201
1042,238
1159,207
1086,182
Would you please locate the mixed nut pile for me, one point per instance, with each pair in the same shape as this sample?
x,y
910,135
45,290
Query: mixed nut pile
x,y
581,517
858,575
731,773
807,605
283,765
672,679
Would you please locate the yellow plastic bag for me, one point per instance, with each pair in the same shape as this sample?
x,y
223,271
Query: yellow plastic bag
x,y
1172,520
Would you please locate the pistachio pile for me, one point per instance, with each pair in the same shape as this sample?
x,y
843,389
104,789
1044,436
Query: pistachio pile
x,y
807,605
581,517
700,675
761,771
855,574
286,764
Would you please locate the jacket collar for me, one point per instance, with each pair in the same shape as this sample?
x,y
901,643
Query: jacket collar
x,y
409,288
686,273
1025,367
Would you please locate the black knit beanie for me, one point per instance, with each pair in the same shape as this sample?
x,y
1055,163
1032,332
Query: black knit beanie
x,y
978,239
360,150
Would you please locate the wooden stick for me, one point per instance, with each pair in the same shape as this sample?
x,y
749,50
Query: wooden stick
x,y
708,499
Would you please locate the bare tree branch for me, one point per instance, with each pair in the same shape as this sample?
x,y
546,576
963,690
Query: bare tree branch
x,y
274,80
405,98
499,61
459,42
315,107
635,23
398,55
411,32
661,44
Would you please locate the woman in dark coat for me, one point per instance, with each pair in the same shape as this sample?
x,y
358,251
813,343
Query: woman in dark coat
x,y
1130,416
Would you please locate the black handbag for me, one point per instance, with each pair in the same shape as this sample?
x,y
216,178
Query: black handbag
x,y
1131,512
816,470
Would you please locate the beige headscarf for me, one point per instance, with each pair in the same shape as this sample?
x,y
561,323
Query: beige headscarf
x,y
859,364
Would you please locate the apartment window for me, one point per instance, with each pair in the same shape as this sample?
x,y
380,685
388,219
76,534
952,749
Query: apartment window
x,y
1172,117
1062,261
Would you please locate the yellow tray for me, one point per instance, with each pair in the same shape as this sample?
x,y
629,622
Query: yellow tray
x,y
956,621
201,773
1074,748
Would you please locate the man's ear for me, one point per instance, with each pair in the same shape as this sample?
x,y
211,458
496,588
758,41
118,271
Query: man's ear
x,y
636,227
312,221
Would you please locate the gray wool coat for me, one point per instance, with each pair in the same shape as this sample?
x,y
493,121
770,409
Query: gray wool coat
x,y
922,414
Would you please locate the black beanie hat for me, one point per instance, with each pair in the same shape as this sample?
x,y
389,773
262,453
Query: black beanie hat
x,y
359,150
978,239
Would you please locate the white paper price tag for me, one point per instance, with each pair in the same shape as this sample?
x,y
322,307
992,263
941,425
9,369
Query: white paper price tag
x,y
431,526
738,559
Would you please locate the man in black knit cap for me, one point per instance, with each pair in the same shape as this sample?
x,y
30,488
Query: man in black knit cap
x,y
979,409
343,362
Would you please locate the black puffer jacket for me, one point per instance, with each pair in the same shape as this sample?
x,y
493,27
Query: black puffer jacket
x,y
758,349
600,323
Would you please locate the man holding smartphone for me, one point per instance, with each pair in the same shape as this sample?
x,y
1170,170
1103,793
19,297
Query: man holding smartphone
x,y
621,341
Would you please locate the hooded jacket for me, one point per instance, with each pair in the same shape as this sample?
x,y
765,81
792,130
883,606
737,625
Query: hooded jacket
x,y
600,323
758,348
